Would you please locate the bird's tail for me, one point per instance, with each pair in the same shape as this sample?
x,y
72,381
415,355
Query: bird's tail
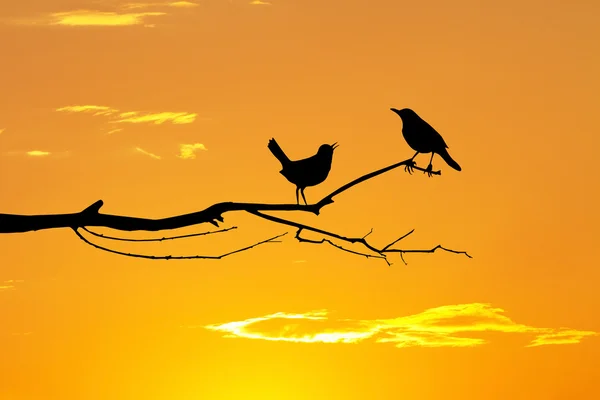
x,y
446,156
278,152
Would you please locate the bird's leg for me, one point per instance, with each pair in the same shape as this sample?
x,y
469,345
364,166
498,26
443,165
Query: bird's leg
x,y
429,169
410,164
302,193
297,198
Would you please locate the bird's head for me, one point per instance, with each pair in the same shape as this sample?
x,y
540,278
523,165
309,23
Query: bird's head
x,y
327,149
404,113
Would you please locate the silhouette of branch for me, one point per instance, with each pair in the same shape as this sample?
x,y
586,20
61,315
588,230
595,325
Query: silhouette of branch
x,y
91,216
13,223
379,253
301,239
329,198
100,235
170,257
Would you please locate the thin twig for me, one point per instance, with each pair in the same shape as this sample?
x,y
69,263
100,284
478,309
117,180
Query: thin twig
x,y
169,257
100,235
301,239
382,253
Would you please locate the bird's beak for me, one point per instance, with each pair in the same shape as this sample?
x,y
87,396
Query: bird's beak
x,y
335,145
394,110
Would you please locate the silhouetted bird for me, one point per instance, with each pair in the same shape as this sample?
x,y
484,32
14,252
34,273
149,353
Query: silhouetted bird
x,y
422,138
307,172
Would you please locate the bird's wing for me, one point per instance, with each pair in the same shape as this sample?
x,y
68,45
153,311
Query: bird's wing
x,y
436,138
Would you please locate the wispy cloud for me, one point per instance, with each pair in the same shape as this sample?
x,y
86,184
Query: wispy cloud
x,y
134,117
2,130
110,132
176,4
260,3
96,110
147,153
129,14
100,18
159,118
444,326
38,153
188,151
10,284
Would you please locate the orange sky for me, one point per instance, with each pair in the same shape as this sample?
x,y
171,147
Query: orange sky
x,y
182,98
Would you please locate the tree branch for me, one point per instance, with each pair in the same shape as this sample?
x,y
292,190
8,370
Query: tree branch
x,y
13,223
170,257
100,235
379,253
91,216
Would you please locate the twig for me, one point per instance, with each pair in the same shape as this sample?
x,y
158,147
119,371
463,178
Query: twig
x,y
169,257
381,253
100,235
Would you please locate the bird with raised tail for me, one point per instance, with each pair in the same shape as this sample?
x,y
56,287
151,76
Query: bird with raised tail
x,y
422,138
306,172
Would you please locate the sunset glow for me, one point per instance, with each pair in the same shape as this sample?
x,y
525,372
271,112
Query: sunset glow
x,y
162,109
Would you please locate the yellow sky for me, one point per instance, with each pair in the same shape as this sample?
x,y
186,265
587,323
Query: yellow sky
x,y
164,108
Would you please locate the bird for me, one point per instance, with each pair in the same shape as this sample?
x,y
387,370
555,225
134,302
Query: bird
x,y
306,172
422,138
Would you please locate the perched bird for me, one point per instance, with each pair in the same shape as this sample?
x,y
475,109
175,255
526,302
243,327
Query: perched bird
x,y
307,172
422,138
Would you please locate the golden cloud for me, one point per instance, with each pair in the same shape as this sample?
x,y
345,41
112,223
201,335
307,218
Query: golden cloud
x,y
159,118
9,284
99,18
97,110
444,326
38,153
147,153
134,117
260,3
2,130
177,4
188,151
183,4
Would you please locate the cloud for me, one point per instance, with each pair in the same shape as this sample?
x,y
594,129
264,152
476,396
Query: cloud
x,y
2,130
114,131
444,326
188,151
260,3
182,4
10,284
38,153
159,118
133,117
127,15
97,110
99,18
564,336
147,153
176,4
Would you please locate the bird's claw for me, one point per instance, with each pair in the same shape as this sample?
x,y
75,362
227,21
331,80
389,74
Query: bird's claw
x,y
410,166
429,170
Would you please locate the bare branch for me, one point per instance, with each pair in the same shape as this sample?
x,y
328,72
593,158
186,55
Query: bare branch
x,y
301,239
91,217
397,240
170,257
381,253
100,235
14,223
